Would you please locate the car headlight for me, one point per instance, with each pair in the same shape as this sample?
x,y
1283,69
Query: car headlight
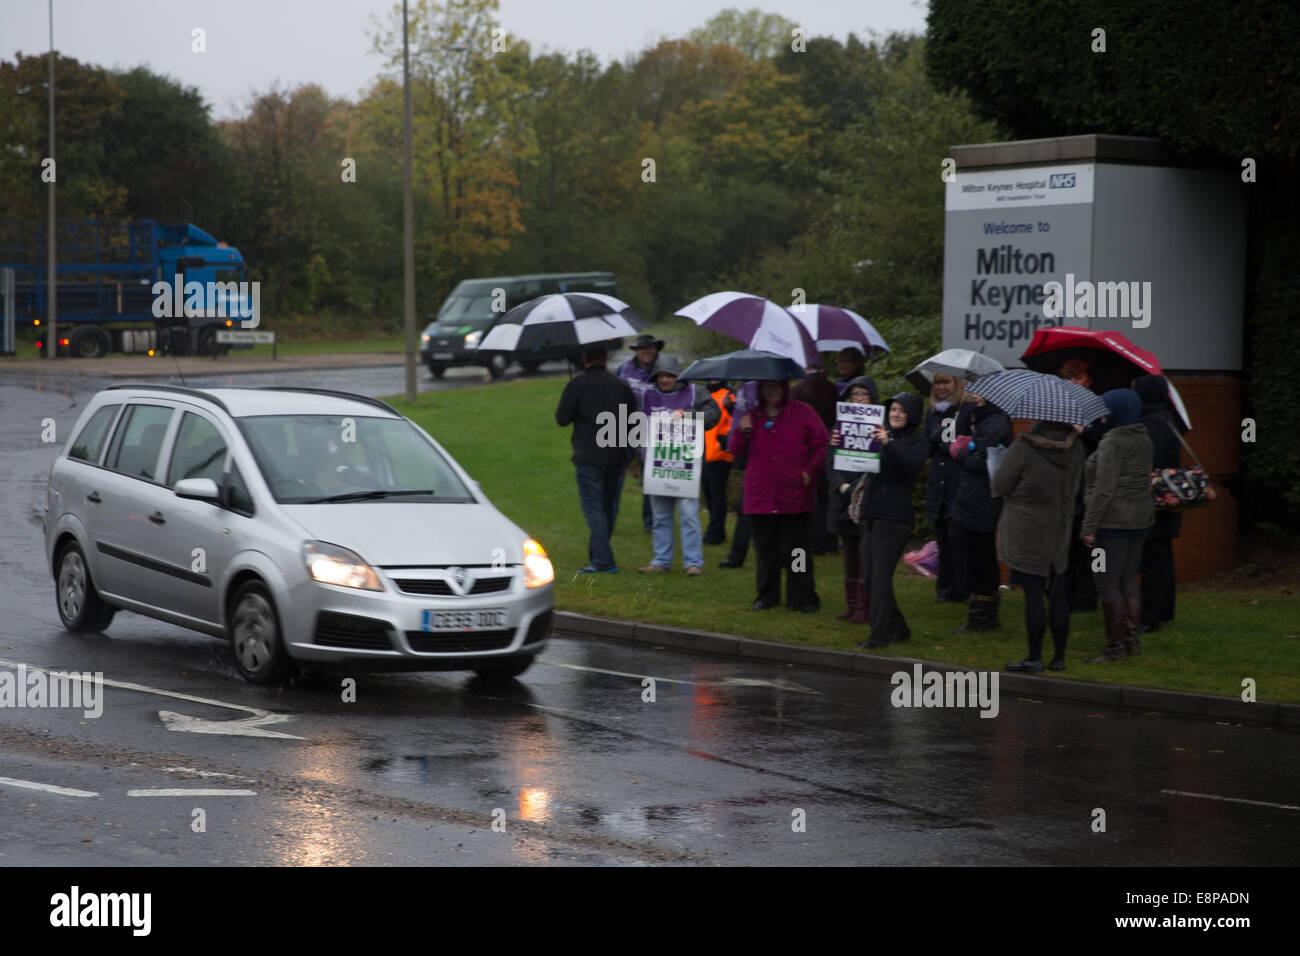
x,y
424,337
330,564
472,340
537,566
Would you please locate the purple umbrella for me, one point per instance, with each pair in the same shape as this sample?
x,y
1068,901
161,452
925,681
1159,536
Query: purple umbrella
x,y
834,328
758,323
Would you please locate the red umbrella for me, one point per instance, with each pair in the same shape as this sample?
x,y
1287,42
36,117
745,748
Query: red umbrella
x,y
1112,358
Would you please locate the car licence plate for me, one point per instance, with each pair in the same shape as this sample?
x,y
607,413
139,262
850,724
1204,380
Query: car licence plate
x,y
482,619
444,356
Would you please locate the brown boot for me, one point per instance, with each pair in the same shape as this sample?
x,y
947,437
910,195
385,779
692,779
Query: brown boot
x,y
1132,621
1114,615
862,608
851,588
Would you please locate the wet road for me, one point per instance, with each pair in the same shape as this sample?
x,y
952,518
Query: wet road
x,y
733,762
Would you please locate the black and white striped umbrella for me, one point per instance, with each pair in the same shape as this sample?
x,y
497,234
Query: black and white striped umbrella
x,y
566,318
1046,398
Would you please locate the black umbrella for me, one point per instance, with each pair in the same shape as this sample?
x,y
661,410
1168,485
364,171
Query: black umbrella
x,y
746,365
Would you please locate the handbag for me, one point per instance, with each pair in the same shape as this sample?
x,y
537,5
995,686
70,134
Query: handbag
x,y
1181,489
855,498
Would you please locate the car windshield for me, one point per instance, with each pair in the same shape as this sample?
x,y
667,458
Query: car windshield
x,y
462,310
309,459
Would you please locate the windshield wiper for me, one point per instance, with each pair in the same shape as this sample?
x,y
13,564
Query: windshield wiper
x,y
366,496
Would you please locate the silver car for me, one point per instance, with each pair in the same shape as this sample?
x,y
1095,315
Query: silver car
x,y
305,525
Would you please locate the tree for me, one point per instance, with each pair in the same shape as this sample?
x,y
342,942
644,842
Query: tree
x,y
163,148
1214,82
466,131
87,105
754,33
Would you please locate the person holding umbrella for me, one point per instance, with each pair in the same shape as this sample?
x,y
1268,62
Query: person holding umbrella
x,y
676,399
1157,573
785,441
600,469
975,511
947,402
943,377
1118,515
1039,478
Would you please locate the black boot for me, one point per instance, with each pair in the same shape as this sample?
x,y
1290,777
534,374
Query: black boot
x,y
979,617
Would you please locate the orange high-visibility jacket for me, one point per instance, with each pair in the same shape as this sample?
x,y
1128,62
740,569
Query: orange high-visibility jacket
x,y
712,451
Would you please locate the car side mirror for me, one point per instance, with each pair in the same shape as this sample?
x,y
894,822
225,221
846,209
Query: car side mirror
x,y
204,489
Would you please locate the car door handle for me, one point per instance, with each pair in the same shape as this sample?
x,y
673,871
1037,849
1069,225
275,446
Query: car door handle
x,y
157,518
94,497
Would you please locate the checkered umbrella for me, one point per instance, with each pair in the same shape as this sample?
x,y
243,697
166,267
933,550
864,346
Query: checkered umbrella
x,y
1025,394
569,318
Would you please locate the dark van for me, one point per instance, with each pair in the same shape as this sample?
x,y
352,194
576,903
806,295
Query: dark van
x,y
466,317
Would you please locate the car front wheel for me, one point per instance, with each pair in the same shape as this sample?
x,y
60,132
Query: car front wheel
x,y
255,636
80,608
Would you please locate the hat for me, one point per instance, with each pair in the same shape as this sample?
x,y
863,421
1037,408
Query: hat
x,y
669,364
646,339
1125,406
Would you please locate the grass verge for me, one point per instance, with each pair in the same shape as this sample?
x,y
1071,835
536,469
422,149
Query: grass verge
x,y
505,435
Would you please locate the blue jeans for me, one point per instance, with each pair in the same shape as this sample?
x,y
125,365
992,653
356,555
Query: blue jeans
x,y
663,507
599,488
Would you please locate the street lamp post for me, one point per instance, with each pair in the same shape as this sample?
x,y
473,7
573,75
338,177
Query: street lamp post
x,y
51,332
408,215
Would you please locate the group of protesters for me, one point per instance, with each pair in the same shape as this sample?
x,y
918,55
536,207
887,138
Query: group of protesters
x,y
1060,497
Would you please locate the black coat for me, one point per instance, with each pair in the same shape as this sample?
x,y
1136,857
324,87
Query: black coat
x,y
838,521
889,493
585,398
1160,423
941,482
975,508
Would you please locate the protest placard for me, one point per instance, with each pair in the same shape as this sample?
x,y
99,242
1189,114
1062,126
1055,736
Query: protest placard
x,y
858,451
674,456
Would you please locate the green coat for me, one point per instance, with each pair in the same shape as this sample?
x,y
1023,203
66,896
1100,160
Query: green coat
x,y
1117,482
1039,478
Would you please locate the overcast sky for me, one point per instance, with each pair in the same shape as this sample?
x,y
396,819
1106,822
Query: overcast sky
x,y
252,44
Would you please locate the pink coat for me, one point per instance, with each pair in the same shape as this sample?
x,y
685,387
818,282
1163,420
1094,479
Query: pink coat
x,y
778,456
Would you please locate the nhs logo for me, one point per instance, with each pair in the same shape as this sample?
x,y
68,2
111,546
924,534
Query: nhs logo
x,y
1061,181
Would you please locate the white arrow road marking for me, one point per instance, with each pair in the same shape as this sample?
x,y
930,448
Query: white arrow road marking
x,y
1212,796
779,683
177,792
46,787
203,773
247,727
